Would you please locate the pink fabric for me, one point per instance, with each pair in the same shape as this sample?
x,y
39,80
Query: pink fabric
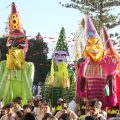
x,y
90,28
96,82
109,65
118,88
80,74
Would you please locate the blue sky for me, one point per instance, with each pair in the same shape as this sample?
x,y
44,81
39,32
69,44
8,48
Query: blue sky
x,y
44,16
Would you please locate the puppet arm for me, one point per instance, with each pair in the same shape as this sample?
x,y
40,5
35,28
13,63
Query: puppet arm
x,y
109,65
81,80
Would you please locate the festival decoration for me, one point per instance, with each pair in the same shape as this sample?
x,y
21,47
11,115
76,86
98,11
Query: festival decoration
x,y
60,82
112,52
16,75
96,70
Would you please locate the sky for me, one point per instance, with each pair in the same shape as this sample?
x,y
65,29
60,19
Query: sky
x,y
44,16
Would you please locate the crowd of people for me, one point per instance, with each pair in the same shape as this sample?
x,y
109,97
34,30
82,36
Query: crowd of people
x,y
38,109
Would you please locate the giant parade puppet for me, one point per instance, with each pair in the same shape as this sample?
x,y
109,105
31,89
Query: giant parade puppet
x,y
97,74
60,82
16,75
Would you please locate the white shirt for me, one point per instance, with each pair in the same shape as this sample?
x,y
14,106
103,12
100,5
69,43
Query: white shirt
x,y
72,106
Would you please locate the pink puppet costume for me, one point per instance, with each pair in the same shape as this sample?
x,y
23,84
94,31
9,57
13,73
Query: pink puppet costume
x,y
111,51
96,71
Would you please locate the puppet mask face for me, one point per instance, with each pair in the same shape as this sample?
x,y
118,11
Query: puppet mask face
x,y
60,56
94,49
17,42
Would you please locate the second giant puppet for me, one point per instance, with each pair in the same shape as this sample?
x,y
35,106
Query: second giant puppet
x,y
60,83
16,75
96,77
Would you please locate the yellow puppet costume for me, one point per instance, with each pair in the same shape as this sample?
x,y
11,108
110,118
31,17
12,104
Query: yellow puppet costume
x,y
60,83
16,75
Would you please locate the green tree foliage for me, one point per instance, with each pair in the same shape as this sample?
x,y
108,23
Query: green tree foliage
x,y
3,48
37,53
101,10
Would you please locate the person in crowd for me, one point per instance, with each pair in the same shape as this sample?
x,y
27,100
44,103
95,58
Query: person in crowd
x,y
65,116
19,115
1,103
103,112
82,109
46,115
3,111
58,107
26,109
112,112
16,105
64,110
10,115
73,106
94,111
29,116
51,118
47,108
39,111
47,111
19,100
31,104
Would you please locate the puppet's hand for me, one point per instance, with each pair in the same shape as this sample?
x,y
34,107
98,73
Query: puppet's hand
x,y
109,65
10,62
20,58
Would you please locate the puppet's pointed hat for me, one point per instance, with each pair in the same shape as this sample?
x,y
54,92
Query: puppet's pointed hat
x,y
15,27
107,40
62,42
109,45
90,30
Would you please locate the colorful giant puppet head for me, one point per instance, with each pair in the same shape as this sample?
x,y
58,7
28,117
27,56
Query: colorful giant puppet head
x,y
17,35
17,42
61,51
94,47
